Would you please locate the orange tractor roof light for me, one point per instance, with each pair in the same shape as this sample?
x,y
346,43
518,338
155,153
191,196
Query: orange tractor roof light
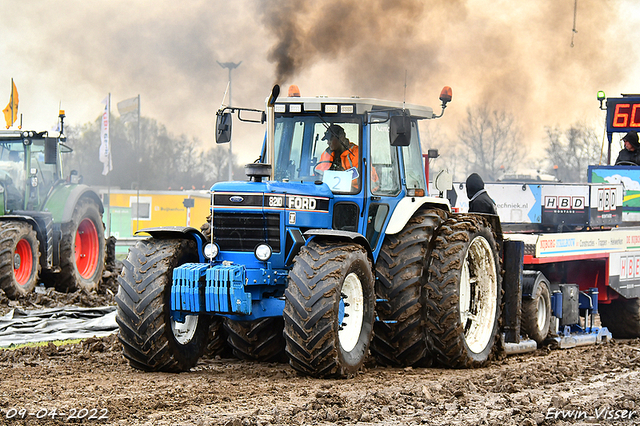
x,y
445,96
294,92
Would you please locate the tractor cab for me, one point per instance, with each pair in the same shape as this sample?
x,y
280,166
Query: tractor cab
x,y
29,168
364,153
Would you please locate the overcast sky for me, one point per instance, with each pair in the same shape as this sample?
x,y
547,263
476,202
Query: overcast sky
x,y
512,55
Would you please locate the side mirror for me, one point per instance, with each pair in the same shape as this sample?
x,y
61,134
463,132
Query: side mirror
x,y
50,150
223,127
400,130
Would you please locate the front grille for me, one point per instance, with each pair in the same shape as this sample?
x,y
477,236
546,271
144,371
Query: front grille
x,y
244,231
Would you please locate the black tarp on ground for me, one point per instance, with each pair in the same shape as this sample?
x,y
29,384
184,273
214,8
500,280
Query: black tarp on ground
x,y
42,325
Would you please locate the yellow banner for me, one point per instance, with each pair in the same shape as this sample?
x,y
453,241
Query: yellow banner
x,y
11,111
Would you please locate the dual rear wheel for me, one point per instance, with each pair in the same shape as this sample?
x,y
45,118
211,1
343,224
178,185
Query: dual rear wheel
x,y
464,302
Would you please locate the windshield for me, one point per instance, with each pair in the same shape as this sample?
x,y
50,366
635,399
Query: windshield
x,y
12,163
308,149
14,174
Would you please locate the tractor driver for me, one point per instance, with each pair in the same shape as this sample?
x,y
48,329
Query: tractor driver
x,y
341,153
630,155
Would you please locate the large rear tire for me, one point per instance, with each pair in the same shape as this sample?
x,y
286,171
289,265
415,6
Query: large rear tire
x,y
19,258
82,249
622,318
259,340
151,339
329,309
401,271
465,292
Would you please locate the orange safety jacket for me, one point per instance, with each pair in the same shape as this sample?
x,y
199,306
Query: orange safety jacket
x,y
348,158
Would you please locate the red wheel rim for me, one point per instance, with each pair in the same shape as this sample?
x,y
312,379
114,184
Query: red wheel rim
x,y
22,262
87,248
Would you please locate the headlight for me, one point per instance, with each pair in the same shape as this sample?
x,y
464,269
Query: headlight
x,y
263,252
211,251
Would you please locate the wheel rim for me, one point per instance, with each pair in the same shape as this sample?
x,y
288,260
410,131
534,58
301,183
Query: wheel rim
x,y
22,262
351,312
542,313
87,248
478,295
184,331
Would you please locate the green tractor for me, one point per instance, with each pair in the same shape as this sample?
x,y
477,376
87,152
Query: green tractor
x,y
51,227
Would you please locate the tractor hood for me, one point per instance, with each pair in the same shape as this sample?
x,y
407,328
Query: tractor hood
x,y
309,189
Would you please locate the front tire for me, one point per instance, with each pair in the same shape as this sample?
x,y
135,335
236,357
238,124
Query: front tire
x,y
329,309
151,339
19,258
259,340
82,249
465,292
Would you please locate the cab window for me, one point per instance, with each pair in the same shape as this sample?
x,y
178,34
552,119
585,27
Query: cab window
x,y
413,162
385,176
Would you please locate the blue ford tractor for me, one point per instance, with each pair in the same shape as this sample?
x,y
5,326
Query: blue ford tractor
x,y
332,249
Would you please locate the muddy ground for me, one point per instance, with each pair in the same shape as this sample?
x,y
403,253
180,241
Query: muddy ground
x,y
518,390
589,385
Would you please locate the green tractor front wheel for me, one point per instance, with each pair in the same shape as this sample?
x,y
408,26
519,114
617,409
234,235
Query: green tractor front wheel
x,y
19,258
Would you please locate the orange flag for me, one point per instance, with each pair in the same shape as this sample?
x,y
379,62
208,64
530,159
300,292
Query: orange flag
x,y
11,111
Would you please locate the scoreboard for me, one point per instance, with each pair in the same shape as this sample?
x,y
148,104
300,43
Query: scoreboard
x,y
623,114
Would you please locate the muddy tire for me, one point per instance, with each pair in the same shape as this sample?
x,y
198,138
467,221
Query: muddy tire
x,y
217,340
536,311
401,272
19,258
151,339
465,293
622,318
259,340
329,309
82,249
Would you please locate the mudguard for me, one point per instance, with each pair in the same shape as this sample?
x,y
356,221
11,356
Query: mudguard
x,y
531,281
76,193
62,211
178,232
405,209
334,234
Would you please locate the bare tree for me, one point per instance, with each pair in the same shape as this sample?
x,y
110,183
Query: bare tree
x,y
158,161
571,151
491,142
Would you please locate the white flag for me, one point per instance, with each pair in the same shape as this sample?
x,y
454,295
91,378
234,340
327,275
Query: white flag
x,y
128,109
105,147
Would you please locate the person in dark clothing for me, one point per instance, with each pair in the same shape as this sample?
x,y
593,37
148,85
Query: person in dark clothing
x,y
630,155
479,200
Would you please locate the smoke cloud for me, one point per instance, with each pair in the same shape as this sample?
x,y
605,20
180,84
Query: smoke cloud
x,y
515,56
